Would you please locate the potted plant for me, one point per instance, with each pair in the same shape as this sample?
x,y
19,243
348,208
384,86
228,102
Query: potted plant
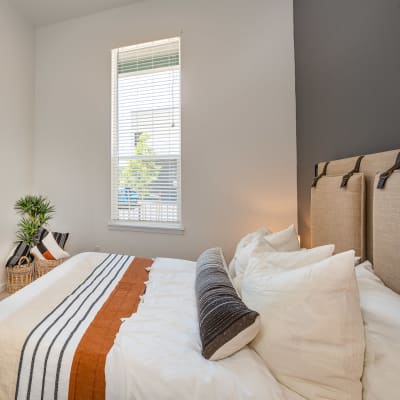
x,y
36,212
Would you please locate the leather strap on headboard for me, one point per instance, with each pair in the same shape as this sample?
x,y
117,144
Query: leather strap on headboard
x,y
385,175
355,170
323,173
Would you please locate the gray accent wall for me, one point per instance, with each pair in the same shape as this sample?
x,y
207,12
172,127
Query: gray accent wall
x,y
347,56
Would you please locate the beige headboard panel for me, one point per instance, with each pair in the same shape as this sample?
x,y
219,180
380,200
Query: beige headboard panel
x,y
370,165
344,228
387,231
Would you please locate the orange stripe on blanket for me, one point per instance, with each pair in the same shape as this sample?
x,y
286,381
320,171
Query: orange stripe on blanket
x,y
87,380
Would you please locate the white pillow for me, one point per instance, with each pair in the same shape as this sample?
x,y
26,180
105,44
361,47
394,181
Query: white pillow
x,y
275,262
286,240
251,237
380,307
243,258
244,249
312,335
261,241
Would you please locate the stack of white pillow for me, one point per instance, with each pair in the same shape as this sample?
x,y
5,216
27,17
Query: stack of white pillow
x,y
312,334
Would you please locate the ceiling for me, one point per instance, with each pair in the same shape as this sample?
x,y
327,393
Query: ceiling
x,y
44,12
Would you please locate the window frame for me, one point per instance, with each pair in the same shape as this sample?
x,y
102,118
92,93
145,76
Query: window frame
x,y
136,225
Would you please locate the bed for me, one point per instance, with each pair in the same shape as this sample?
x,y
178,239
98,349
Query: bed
x,y
52,346
109,326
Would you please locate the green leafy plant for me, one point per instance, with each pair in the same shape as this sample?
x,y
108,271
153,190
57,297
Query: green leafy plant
x,y
36,212
139,173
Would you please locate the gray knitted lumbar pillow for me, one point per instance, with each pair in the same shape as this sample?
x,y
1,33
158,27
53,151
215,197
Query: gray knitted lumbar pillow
x,y
226,324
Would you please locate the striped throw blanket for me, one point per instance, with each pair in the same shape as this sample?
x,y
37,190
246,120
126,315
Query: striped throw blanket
x,y
59,350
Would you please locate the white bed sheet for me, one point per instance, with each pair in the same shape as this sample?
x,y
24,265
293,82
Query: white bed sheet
x,y
157,352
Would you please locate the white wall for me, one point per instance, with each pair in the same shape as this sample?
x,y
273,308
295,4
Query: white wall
x,y
16,119
238,127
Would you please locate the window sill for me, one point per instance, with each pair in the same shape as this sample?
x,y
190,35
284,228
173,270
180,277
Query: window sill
x,y
147,227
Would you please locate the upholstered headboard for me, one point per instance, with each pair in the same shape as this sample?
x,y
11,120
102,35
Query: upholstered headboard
x,y
381,213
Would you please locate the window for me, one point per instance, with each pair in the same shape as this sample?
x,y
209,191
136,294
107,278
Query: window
x,y
146,135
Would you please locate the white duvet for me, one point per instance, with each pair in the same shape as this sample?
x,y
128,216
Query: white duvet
x,y
157,352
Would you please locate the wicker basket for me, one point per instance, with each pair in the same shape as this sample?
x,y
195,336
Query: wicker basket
x,y
42,267
20,275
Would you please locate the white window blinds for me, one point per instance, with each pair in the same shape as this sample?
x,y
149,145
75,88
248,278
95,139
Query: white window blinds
x,y
146,134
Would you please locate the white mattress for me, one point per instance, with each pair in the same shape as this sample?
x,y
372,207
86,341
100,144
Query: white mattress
x,y
157,352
